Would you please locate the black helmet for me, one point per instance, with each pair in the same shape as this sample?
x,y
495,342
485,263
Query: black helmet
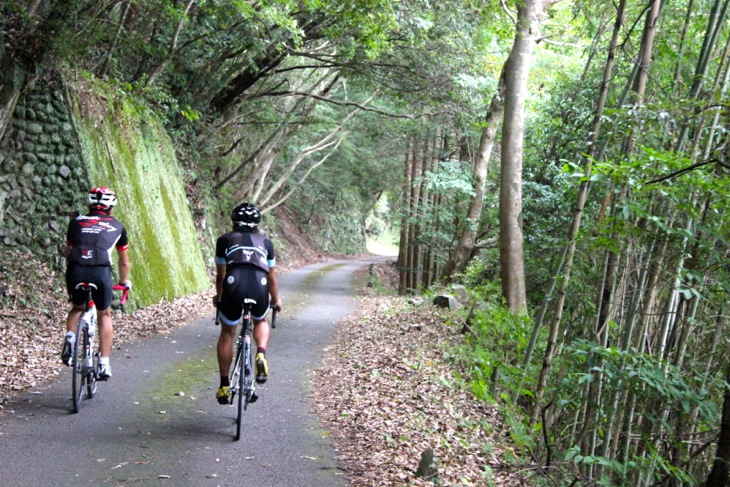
x,y
246,215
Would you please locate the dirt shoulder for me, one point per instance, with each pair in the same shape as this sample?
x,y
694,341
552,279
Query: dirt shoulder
x,y
388,394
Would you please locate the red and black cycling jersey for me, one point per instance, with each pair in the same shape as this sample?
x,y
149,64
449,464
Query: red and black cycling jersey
x,y
245,248
92,238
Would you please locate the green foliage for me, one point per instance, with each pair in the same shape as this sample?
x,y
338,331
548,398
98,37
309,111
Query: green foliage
x,y
662,392
492,352
648,378
451,177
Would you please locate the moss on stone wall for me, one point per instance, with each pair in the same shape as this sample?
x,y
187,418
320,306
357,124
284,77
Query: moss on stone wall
x,y
125,149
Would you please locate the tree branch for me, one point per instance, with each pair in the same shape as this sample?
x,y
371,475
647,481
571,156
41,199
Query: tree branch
x,y
684,170
348,104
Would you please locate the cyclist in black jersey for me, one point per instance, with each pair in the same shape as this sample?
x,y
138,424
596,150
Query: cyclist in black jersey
x,y
89,243
245,268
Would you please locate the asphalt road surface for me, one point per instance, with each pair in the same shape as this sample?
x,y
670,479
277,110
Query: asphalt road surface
x,y
156,422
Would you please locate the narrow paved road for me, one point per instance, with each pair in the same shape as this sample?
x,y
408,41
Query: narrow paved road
x,y
157,421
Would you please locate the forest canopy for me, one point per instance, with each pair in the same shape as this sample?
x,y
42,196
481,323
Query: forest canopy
x,y
567,161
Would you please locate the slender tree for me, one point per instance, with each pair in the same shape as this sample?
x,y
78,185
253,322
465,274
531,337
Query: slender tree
x,y
516,69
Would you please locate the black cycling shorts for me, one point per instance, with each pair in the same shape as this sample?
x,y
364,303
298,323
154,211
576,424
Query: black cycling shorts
x,y
99,275
244,282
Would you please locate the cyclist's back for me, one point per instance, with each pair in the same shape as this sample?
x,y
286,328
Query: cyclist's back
x,y
90,241
245,268
247,258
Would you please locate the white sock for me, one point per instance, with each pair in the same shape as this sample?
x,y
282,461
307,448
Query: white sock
x,y
71,335
103,360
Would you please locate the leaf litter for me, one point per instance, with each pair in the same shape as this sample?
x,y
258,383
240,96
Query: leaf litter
x,y
388,392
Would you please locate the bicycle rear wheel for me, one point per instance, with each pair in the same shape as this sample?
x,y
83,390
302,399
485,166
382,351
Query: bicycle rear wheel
x,y
78,367
90,368
234,373
247,385
241,392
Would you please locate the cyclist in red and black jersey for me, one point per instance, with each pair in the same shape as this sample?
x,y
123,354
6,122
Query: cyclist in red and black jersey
x,y
245,268
90,241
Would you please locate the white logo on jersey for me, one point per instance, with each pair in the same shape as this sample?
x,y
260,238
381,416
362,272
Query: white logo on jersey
x,y
230,279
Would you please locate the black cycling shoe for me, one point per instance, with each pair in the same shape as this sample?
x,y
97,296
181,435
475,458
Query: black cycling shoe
x,y
68,347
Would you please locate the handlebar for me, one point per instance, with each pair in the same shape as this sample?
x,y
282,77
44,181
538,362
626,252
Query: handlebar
x,y
90,286
125,293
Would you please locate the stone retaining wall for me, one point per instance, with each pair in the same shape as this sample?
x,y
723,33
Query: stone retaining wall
x,y
64,139
42,174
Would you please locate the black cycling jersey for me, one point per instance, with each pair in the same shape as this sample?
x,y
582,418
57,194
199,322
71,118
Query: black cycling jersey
x,y
248,257
245,248
93,237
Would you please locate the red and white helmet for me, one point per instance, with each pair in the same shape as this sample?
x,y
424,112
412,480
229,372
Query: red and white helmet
x,y
102,198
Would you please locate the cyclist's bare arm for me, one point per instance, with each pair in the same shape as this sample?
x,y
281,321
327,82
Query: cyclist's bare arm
x,y
220,275
124,265
274,290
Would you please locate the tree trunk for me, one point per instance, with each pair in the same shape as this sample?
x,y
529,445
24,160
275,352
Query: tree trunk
x,y
467,240
715,22
120,26
516,69
415,251
404,242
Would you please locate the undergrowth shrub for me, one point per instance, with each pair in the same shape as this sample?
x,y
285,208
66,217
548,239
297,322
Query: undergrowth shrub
x,y
490,362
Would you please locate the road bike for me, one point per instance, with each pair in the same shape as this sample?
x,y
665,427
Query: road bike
x,y
242,371
85,357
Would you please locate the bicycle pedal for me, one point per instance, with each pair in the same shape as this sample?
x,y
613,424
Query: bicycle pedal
x,y
254,397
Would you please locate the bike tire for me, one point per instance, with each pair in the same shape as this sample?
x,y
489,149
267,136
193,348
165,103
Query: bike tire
x,y
241,392
77,366
90,371
247,386
234,374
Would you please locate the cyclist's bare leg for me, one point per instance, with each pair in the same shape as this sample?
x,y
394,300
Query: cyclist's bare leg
x,y
74,315
106,332
225,348
261,333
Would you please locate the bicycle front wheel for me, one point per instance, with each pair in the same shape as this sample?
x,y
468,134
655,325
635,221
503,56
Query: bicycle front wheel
x,y
79,369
